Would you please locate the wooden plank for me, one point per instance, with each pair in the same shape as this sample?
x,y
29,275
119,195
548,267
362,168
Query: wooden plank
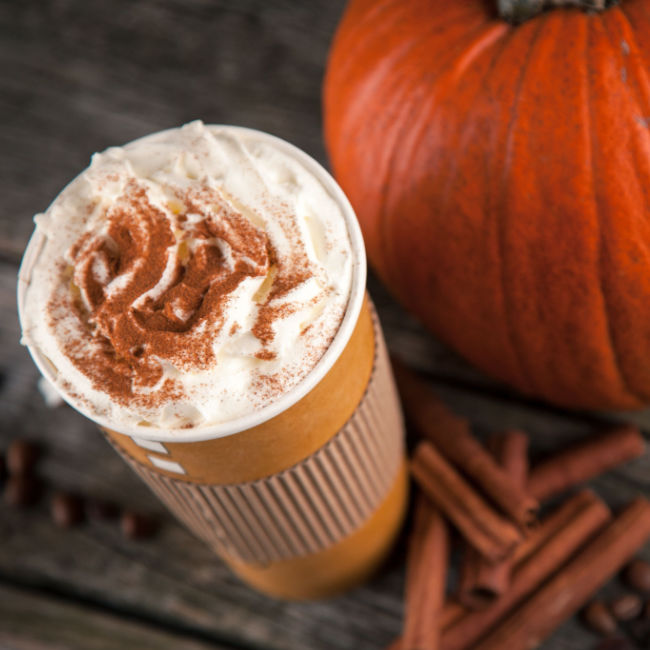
x,y
31,621
177,578
78,77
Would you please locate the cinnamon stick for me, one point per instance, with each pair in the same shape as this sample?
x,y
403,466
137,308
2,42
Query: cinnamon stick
x,y
572,586
482,582
576,521
552,523
426,576
452,611
585,460
452,436
492,535
548,527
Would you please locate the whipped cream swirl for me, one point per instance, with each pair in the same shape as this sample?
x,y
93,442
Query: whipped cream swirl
x,y
187,279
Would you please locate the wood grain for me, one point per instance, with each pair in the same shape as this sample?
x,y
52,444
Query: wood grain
x,y
66,625
77,77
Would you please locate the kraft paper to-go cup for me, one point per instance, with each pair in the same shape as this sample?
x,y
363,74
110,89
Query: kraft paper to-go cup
x,y
304,497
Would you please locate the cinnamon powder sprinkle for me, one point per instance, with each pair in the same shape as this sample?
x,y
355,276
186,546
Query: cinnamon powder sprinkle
x,y
266,355
142,296
154,287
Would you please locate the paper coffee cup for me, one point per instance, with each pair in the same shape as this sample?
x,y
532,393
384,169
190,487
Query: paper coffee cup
x,y
303,497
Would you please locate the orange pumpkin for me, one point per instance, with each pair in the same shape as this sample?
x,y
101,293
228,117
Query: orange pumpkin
x,y
501,175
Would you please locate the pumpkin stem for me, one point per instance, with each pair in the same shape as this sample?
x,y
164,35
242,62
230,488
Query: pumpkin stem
x,y
517,11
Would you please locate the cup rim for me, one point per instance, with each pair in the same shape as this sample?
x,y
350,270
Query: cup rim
x,y
286,400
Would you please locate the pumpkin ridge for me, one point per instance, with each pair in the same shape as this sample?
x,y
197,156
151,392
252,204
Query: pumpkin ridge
x,y
492,32
639,94
642,95
641,74
388,265
348,31
467,130
626,15
466,133
501,218
601,226
631,41
487,32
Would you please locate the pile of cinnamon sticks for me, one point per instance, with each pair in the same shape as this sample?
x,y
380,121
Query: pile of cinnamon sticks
x,y
520,577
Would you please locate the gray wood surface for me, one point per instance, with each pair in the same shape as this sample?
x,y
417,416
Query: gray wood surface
x,y
73,626
76,77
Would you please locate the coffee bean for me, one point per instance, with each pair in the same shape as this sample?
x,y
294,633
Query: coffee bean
x,y
3,469
21,457
66,509
98,509
626,607
637,575
599,618
646,609
137,526
21,491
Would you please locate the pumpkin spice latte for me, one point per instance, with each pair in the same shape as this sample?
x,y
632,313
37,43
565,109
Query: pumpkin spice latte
x,y
200,294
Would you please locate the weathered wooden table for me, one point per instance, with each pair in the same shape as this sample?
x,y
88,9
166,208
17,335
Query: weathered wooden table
x,y
76,77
